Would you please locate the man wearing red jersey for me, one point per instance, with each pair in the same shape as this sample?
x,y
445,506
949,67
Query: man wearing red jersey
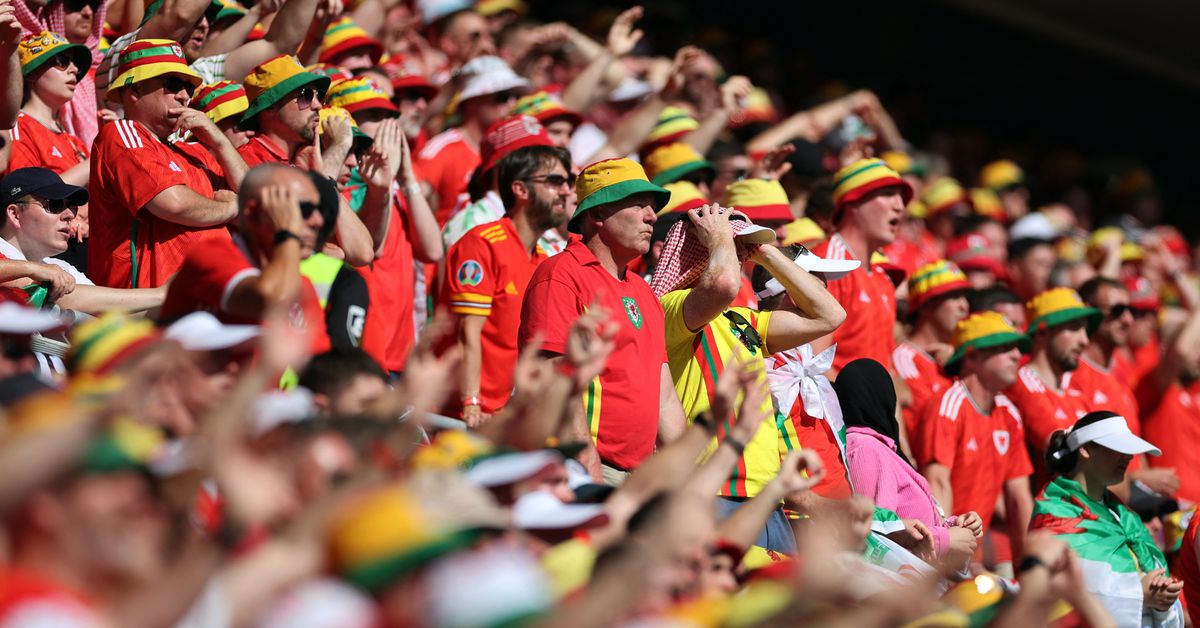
x,y
239,279
1104,380
445,164
970,441
1059,323
152,200
1175,420
869,200
633,400
937,301
489,268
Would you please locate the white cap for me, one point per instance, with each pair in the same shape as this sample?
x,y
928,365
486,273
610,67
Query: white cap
x,y
16,319
488,75
318,603
488,587
506,469
630,88
1033,225
831,268
201,331
281,407
756,234
540,510
434,10
1111,433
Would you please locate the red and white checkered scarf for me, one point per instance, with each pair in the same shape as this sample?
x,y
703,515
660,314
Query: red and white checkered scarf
x,y
683,258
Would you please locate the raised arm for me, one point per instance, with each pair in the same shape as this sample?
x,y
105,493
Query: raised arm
x,y
279,283
817,312
584,90
732,91
284,36
10,67
719,285
800,471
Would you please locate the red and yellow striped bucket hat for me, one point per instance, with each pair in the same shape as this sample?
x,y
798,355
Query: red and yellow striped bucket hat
x,y
344,35
220,100
863,177
145,59
934,280
359,94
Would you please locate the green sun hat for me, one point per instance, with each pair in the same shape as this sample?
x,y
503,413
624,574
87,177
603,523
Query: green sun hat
x,y
35,50
983,331
1059,306
275,78
610,181
672,162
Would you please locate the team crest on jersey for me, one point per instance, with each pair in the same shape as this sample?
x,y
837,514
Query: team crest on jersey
x,y
1001,439
470,273
632,312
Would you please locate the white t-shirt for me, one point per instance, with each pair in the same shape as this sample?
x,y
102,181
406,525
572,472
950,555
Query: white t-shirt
x,y
11,252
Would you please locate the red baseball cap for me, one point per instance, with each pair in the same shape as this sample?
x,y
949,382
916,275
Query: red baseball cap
x,y
970,252
508,135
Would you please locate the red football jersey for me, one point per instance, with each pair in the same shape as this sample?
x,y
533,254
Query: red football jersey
x,y
869,299
922,375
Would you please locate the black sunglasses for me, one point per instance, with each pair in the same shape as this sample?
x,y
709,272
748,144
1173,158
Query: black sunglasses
x,y
502,97
175,84
75,6
745,332
409,95
307,208
62,62
56,206
1119,310
554,180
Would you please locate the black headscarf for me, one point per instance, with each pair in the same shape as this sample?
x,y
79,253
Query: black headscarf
x,y
868,399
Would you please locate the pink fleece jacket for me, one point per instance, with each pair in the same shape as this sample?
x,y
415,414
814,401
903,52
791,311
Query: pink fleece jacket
x,y
878,472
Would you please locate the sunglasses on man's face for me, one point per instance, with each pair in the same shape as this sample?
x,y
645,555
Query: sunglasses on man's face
x,y
409,96
501,98
305,96
174,85
307,208
75,6
51,206
554,180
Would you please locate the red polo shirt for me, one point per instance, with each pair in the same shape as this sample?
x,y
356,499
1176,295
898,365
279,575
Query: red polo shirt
x,y
869,299
130,247
210,273
982,451
487,273
622,404
33,145
922,375
260,150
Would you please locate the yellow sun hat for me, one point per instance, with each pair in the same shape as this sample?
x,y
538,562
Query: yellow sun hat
x,y
943,194
864,176
802,231
759,199
934,280
983,330
35,50
275,78
612,180
1058,306
672,162
684,196
1002,175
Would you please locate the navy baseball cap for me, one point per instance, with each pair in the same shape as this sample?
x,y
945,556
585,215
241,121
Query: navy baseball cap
x,y
41,183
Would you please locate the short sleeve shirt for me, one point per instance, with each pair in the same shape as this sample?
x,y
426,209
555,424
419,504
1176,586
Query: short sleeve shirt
x,y
8,251
1045,411
260,150
487,273
129,247
1174,427
698,358
208,277
622,404
922,375
446,163
869,299
1102,390
389,334
34,145
982,451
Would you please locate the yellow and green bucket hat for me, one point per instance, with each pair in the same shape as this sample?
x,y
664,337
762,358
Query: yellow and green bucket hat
x,y
145,59
987,203
275,78
612,180
220,100
684,196
943,194
673,123
670,163
983,330
361,139
35,50
1058,306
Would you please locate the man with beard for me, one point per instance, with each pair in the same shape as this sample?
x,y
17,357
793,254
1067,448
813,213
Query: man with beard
x,y
969,440
285,104
489,268
1104,375
1059,324
869,200
152,199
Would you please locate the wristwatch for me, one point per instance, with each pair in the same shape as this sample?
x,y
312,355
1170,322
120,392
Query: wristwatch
x,y
1029,562
283,235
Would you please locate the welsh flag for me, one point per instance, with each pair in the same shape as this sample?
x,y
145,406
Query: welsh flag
x,y
886,553
1114,547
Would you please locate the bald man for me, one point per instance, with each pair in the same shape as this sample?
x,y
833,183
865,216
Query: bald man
x,y
280,220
